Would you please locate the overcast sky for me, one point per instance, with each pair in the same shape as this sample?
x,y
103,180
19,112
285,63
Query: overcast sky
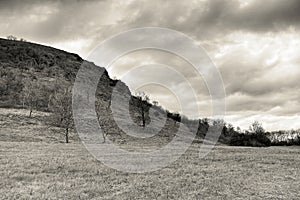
x,y
255,44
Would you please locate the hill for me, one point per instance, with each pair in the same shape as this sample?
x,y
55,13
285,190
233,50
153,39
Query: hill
x,y
31,74
27,67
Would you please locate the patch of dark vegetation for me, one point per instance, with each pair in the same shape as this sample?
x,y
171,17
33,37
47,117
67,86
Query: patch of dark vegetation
x,y
253,140
284,138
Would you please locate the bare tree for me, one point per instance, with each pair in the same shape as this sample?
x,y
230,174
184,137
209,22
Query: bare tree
x,y
11,37
257,128
219,123
61,106
142,103
99,109
30,95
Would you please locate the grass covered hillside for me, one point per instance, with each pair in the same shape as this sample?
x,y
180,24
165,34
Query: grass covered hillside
x,y
40,78
33,75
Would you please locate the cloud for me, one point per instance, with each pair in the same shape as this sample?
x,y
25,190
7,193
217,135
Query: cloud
x,y
52,21
254,44
261,73
257,16
210,19
164,69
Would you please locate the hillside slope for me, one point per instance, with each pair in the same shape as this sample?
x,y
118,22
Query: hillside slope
x,y
22,63
28,69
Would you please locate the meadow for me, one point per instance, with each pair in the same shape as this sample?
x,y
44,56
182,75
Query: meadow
x,y
35,163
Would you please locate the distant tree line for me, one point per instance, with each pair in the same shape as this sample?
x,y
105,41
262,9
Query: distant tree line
x,y
254,137
14,38
284,137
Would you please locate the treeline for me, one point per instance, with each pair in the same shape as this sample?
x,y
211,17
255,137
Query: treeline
x,y
230,135
284,138
256,135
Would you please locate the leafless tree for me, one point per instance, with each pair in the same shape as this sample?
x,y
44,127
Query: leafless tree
x,y
219,123
30,95
142,103
11,37
99,109
61,106
257,128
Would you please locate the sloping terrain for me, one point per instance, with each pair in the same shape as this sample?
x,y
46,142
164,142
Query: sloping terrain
x,y
22,63
36,167
16,126
32,70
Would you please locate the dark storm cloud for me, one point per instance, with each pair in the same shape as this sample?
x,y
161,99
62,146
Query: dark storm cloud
x,y
269,15
52,21
214,18
59,20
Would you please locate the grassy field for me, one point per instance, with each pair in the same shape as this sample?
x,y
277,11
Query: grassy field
x,y
35,164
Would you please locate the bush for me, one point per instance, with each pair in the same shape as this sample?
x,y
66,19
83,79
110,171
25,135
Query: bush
x,y
253,140
175,116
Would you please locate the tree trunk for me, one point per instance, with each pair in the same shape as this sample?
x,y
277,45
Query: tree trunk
x,y
67,135
143,118
103,134
30,112
141,110
23,103
109,104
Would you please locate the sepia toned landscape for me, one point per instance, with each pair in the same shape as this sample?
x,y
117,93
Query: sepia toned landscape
x,y
149,99
36,163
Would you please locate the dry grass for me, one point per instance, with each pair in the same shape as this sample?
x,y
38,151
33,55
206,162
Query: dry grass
x,y
49,170
16,126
